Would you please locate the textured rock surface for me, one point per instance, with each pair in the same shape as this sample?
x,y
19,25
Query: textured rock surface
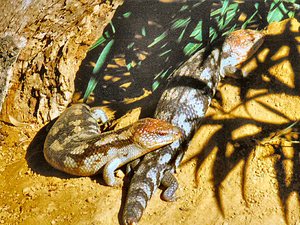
x,y
58,35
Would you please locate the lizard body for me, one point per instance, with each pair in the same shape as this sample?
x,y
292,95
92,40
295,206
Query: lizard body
x,y
184,104
75,145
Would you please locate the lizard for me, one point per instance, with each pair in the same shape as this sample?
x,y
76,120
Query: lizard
x,y
184,103
75,145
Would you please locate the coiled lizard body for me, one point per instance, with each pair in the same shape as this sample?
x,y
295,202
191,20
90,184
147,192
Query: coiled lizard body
x,y
75,145
183,104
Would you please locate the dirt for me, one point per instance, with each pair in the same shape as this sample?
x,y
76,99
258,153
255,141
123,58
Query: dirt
x,y
242,166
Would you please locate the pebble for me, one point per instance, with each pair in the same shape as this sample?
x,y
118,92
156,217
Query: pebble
x,y
27,191
89,200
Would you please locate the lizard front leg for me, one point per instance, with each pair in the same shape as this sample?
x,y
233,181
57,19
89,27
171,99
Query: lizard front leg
x,y
170,182
109,172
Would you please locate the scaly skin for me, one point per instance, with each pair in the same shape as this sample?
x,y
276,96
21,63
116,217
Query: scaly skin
x,y
184,104
74,143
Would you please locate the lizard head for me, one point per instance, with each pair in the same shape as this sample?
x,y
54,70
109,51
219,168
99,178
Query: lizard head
x,y
237,48
152,133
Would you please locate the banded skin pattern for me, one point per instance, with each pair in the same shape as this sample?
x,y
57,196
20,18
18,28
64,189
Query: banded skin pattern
x,y
75,145
184,104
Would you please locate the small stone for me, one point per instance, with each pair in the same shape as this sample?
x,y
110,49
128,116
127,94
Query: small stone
x,y
28,191
89,200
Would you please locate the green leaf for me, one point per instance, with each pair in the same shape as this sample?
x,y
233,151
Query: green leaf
x,y
112,27
100,41
245,24
158,39
161,75
227,15
91,86
179,39
197,32
104,37
180,23
130,45
155,85
191,48
94,80
102,56
277,11
127,14
212,34
224,7
164,53
143,31
183,8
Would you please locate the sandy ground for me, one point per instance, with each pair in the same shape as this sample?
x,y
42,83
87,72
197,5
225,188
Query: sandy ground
x,y
242,166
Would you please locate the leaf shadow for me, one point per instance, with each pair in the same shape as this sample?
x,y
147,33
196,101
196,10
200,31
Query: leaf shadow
x,y
256,89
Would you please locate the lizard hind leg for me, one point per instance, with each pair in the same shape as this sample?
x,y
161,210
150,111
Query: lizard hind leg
x,y
99,114
170,182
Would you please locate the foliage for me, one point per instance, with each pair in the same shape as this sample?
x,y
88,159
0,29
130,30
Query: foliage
x,y
224,17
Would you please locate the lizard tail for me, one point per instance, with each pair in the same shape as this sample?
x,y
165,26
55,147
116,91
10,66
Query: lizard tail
x,y
137,200
147,179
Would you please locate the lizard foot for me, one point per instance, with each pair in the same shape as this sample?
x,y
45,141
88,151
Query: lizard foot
x,y
169,181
